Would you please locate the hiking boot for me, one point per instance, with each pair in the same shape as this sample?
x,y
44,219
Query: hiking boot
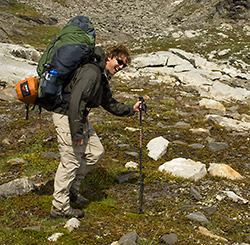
x,y
71,213
77,198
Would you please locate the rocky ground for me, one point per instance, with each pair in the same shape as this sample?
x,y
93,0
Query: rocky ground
x,y
175,209
126,20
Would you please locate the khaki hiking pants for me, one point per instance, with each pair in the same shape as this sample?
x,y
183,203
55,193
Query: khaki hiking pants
x,y
76,161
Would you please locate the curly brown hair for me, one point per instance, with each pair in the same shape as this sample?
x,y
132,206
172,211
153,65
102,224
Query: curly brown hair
x,y
118,50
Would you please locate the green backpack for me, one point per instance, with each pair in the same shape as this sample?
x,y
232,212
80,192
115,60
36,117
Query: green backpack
x,y
73,47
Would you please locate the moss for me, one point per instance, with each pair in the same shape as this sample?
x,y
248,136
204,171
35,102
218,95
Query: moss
x,y
135,216
97,181
20,236
103,207
45,201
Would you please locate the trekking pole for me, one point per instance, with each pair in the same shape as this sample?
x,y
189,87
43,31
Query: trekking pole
x,y
27,106
143,107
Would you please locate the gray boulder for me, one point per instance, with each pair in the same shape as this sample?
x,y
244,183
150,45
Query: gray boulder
x,y
16,187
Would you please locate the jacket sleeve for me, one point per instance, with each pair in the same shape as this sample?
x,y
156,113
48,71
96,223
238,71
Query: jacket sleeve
x,y
113,106
81,91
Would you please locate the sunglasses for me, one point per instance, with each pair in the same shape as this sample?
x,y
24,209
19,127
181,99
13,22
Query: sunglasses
x,y
120,62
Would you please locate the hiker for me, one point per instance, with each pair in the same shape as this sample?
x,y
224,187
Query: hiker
x,y
79,145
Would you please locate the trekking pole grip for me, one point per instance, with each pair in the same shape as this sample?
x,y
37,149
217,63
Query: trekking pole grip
x,y
143,106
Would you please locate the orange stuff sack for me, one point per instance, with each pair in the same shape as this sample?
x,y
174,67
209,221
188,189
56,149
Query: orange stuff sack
x,y
27,90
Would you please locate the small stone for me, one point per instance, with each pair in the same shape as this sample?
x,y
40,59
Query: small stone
x,y
217,146
212,104
34,228
115,243
133,154
208,233
223,170
129,239
235,197
182,125
55,236
220,197
196,146
179,142
123,145
72,224
16,161
199,131
125,177
198,216
209,210
195,192
150,119
132,129
131,164
188,207
51,155
169,238
157,147
161,125
6,141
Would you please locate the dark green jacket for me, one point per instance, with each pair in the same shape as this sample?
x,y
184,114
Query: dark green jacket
x,y
89,88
